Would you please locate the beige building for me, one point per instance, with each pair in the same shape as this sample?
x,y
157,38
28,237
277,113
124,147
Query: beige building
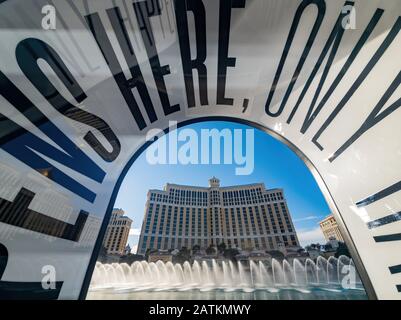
x,y
117,232
163,256
330,229
245,217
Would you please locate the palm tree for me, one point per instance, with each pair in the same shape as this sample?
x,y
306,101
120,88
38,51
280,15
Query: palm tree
x,y
195,248
210,250
221,247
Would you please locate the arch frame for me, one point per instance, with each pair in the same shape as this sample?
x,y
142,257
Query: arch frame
x,y
370,291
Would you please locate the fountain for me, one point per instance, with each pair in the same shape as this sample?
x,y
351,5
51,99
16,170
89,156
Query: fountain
x,y
277,273
271,276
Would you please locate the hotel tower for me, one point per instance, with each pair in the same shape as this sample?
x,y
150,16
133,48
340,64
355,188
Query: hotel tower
x,y
117,232
247,217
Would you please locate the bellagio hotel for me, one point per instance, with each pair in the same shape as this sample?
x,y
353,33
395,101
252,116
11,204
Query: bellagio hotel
x,y
247,217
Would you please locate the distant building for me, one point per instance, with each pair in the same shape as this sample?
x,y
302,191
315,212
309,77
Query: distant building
x,y
160,255
130,259
314,253
330,229
247,217
257,256
117,232
300,256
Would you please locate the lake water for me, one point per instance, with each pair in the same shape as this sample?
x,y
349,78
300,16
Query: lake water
x,y
310,293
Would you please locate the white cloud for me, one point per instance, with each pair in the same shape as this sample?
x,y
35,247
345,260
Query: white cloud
x,y
308,236
135,232
307,218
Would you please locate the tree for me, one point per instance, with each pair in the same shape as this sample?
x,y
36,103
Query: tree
x,y
210,250
183,255
342,250
131,258
313,246
195,248
221,247
230,253
148,252
276,254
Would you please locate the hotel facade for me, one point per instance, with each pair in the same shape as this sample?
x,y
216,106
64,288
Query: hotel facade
x,y
330,229
247,217
117,232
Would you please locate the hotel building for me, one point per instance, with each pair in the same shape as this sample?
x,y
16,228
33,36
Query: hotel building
x,y
117,232
330,229
246,217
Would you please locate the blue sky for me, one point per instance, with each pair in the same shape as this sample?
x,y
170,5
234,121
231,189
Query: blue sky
x,y
275,165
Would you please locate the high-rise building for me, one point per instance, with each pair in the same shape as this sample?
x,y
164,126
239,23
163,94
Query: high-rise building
x,y
330,229
246,217
117,232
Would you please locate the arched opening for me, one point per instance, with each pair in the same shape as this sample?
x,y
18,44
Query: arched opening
x,y
72,94
303,274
